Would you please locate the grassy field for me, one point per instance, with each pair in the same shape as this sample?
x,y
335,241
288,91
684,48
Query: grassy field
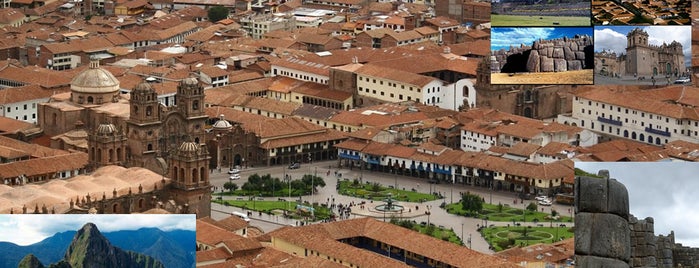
x,y
508,214
581,77
380,192
534,20
270,207
431,230
501,238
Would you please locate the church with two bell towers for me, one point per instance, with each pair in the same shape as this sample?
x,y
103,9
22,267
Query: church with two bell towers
x,y
166,140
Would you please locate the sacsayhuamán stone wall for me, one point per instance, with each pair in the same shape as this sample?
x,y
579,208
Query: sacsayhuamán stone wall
x,y
556,55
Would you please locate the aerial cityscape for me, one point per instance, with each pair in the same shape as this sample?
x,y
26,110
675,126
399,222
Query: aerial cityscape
x,y
340,132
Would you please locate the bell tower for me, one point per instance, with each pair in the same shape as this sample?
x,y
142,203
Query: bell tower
x,y
190,178
144,125
106,146
190,102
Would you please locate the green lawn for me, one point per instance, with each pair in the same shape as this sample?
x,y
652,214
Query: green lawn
x,y
282,193
535,20
501,238
508,214
432,230
367,191
269,207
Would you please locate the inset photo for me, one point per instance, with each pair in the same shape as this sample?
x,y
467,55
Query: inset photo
x,y
636,214
540,13
98,240
541,55
649,55
670,12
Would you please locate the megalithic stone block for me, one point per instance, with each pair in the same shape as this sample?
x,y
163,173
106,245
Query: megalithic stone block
x,y
546,64
574,65
618,201
533,62
591,195
568,53
592,261
560,65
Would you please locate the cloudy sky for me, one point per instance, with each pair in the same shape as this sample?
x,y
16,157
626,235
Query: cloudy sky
x,y
614,37
665,191
503,37
26,229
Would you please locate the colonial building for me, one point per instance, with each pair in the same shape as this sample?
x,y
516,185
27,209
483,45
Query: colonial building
x,y
140,132
656,116
642,59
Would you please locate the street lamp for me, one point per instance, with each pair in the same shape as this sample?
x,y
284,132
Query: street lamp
x,y
429,207
462,232
469,241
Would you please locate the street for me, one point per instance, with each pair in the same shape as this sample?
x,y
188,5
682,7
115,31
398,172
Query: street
x,y
462,226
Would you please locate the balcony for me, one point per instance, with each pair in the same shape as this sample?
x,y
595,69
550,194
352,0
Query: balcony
x,y
609,121
658,132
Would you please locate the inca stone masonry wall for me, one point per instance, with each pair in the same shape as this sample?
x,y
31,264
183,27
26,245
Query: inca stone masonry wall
x,y
556,55
606,235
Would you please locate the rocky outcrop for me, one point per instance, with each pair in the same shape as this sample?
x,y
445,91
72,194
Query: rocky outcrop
x,y
90,249
607,235
602,235
557,55
30,261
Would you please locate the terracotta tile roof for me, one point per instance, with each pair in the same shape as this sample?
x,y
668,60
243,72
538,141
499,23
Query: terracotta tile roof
x,y
616,150
34,150
328,135
236,116
230,223
315,112
303,65
24,93
426,30
164,34
270,105
211,234
683,150
205,34
324,239
322,92
243,75
10,15
675,101
395,75
44,165
34,75
555,148
212,255
316,39
9,153
287,127
213,71
442,22
352,144
12,126
523,149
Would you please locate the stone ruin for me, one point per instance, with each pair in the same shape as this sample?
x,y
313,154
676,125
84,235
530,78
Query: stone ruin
x,y
607,235
556,55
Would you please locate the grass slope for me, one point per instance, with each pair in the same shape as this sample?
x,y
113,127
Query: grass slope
x,y
534,20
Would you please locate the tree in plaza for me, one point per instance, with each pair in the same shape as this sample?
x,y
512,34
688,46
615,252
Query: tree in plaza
x,y
471,202
532,207
312,181
230,186
217,13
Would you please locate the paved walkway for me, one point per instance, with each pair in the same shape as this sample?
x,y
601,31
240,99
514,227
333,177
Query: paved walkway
x,y
463,226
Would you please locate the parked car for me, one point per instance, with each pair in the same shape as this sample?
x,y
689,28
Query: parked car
x,y
233,171
295,165
234,177
682,80
541,198
545,202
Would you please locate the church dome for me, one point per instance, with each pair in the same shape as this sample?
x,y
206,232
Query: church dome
x,y
222,124
190,81
94,80
143,86
189,146
106,129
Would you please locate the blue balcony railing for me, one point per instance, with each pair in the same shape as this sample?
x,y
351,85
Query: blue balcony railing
x,y
609,121
658,132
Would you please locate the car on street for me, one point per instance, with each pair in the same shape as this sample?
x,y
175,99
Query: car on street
x,y
233,171
234,177
682,80
545,202
541,198
295,165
